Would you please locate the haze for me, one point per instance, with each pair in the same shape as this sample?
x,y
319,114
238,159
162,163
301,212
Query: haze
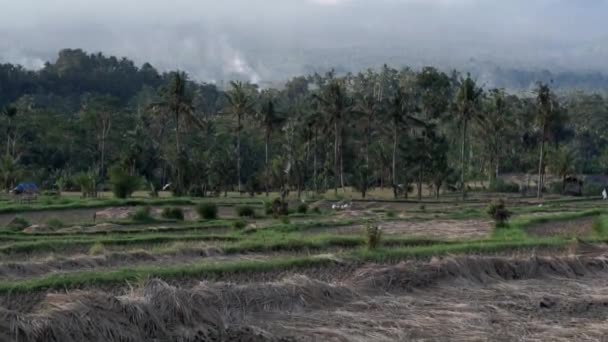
x,y
269,40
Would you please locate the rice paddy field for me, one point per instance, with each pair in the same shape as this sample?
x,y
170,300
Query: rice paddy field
x,y
110,270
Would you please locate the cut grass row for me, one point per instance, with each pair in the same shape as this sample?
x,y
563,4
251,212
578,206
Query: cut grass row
x,y
215,270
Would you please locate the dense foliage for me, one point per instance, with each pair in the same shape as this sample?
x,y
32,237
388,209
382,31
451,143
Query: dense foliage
x,y
64,125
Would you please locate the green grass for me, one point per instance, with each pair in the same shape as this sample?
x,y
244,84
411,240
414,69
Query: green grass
x,y
57,245
207,270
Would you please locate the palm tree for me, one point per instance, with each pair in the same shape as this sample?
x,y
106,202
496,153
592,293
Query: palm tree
x,y
177,104
544,103
336,104
467,100
10,112
240,104
400,107
493,129
269,120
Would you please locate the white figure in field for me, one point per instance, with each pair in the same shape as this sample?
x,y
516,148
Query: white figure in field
x,y
604,194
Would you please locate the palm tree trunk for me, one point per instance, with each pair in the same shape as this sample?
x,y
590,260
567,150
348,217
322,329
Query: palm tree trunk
x,y
267,166
238,153
463,159
539,192
314,164
8,137
394,169
336,161
178,180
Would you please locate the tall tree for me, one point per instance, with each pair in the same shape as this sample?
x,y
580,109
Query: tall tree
x,y
269,119
177,104
240,104
544,105
400,112
467,101
337,105
9,112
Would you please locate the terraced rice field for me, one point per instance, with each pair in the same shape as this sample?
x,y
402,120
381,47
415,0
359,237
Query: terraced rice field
x,y
441,272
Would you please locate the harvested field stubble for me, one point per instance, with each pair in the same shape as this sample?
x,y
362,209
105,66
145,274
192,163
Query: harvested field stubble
x,y
463,299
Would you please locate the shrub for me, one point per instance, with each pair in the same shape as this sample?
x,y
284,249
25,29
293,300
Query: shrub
x,y
245,211
285,220
499,213
97,249
173,213
373,234
595,190
18,223
55,223
195,191
123,184
142,215
500,185
302,208
268,208
422,207
316,210
51,193
391,213
279,207
239,224
207,211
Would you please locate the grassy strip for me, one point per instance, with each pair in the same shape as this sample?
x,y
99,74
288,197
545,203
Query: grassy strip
x,y
91,204
59,244
523,222
212,270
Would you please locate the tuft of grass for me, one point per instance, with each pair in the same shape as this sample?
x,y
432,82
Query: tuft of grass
x,y
142,215
18,223
600,226
207,211
55,223
239,224
373,235
173,213
499,213
97,249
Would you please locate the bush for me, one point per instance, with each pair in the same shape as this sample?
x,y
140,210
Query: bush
x,y
500,185
302,208
594,190
268,208
285,220
195,191
373,234
207,211
55,223
18,223
245,211
239,224
173,213
51,193
391,213
279,208
142,215
97,249
316,210
499,213
123,184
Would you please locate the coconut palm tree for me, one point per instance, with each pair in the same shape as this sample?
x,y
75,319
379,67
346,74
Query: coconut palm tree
x,y
240,104
177,104
467,101
269,119
401,108
336,105
544,105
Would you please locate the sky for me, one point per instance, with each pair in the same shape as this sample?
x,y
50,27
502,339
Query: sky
x,y
274,39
